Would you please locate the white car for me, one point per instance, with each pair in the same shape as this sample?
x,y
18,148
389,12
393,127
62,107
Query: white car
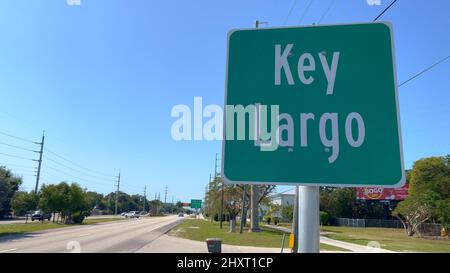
x,y
132,214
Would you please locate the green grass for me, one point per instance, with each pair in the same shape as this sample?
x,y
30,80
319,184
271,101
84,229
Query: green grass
x,y
10,229
286,225
200,230
389,238
89,221
13,229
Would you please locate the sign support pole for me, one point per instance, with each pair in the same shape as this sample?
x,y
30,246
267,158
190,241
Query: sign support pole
x,y
308,220
295,221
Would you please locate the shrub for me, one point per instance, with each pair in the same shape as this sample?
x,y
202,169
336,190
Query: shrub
x,y
78,217
324,217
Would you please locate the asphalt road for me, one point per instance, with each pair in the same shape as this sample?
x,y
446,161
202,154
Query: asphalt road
x,y
129,235
21,219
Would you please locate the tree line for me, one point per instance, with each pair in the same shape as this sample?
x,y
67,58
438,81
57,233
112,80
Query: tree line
x,y
429,195
235,197
69,202
428,200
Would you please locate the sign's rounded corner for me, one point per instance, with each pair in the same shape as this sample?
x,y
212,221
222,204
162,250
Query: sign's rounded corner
x,y
231,32
226,180
386,24
401,182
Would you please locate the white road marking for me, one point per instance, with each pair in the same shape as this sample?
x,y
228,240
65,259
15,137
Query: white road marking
x,y
8,250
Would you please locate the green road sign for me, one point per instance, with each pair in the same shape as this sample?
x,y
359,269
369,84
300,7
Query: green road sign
x,y
196,203
314,105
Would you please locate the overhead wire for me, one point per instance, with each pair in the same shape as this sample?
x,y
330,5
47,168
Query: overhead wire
x,y
305,11
424,71
381,14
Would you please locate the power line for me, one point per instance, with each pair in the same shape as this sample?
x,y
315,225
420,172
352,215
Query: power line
x,y
78,165
17,147
425,70
290,11
48,176
58,178
74,176
54,161
16,156
19,138
16,171
326,11
19,169
75,170
63,172
15,165
379,15
305,12
131,188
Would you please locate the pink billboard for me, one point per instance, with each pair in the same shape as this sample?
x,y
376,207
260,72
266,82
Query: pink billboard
x,y
380,193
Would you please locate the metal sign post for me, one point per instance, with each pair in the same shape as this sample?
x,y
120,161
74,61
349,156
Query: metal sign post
x,y
308,239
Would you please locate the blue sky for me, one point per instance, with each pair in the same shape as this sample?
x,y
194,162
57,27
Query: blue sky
x,y
101,79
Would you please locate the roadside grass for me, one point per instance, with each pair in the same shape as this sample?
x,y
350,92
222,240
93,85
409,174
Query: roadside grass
x,y
90,221
200,230
14,229
283,224
11,229
389,238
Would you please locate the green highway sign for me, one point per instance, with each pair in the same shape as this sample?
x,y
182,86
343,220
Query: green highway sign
x,y
196,203
315,105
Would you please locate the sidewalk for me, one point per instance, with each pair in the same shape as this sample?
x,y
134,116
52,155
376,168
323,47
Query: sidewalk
x,y
345,245
173,244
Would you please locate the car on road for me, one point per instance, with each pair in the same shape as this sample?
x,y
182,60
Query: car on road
x,y
123,213
132,214
180,214
40,216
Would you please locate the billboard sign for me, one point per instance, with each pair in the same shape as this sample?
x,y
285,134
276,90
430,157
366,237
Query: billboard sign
x,y
380,193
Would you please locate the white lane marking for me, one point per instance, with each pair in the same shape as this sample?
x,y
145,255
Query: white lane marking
x,y
8,250
87,234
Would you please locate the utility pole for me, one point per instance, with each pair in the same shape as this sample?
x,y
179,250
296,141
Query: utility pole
x,y
254,200
157,204
243,213
145,197
222,190
117,193
38,174
210,184
165,195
